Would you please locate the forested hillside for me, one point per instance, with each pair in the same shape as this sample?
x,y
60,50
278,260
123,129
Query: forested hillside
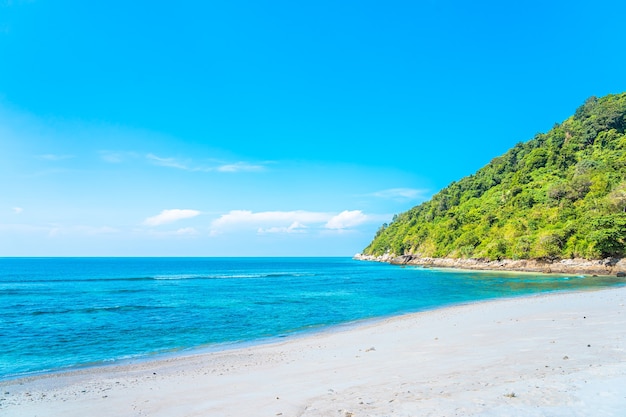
x,y
560,195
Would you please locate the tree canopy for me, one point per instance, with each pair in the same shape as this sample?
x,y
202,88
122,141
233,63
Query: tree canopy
x,y
560,195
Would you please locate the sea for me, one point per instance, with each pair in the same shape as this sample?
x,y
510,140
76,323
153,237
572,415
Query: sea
x,y
59,314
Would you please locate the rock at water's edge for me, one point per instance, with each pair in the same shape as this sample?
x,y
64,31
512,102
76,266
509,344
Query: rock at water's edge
x,y
609,266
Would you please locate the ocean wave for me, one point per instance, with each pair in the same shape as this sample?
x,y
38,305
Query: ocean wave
x,y
165,277
233,276
92,310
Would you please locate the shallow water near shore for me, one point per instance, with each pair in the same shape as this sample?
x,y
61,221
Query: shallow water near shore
x,y
59,313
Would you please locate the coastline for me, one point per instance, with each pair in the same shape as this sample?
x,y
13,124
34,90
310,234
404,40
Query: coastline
x,y
557,353
609,266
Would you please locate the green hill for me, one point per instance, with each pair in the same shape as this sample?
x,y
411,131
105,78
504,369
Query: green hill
x,y
560,195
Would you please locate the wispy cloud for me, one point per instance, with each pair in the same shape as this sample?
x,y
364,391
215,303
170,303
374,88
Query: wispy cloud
x,y
238,218
186,231
346,219
297,221
80,230
400,194
116,157
54,157
182,232
56,230
189,165
169,216
240,167
26,229
168,162
47,172
295,227
18,210
95,230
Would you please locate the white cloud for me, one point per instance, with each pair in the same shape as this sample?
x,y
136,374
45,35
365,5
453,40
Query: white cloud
x,y
346,219
93,231
17,210
186,231
400,194
183,232
167,162
298,221
24,228
245,218
48,172
53,157
61,230
116,157
169,216
240,167
54,230
188,165
294,227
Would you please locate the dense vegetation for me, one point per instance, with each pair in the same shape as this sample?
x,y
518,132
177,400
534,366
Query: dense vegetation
x,y
560,195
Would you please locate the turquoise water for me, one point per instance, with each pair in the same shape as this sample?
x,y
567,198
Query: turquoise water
x,y
57,313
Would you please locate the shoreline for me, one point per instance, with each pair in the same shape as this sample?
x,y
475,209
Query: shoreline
x,y
522,356
218,348
607,267
407,290
210,349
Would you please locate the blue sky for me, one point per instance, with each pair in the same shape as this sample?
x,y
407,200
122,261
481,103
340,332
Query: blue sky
x,y
274,128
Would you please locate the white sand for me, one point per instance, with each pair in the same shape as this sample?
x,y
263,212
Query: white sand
x,y
554,355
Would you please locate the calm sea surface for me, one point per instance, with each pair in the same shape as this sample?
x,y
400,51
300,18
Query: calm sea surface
x,y
58,313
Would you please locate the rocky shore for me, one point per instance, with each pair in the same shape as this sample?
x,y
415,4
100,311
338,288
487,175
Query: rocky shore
x,y
609,266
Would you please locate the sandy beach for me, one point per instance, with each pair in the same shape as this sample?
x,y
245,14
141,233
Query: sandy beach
x,y
549,355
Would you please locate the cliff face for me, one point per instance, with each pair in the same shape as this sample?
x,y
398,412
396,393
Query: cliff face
x,y
561,195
